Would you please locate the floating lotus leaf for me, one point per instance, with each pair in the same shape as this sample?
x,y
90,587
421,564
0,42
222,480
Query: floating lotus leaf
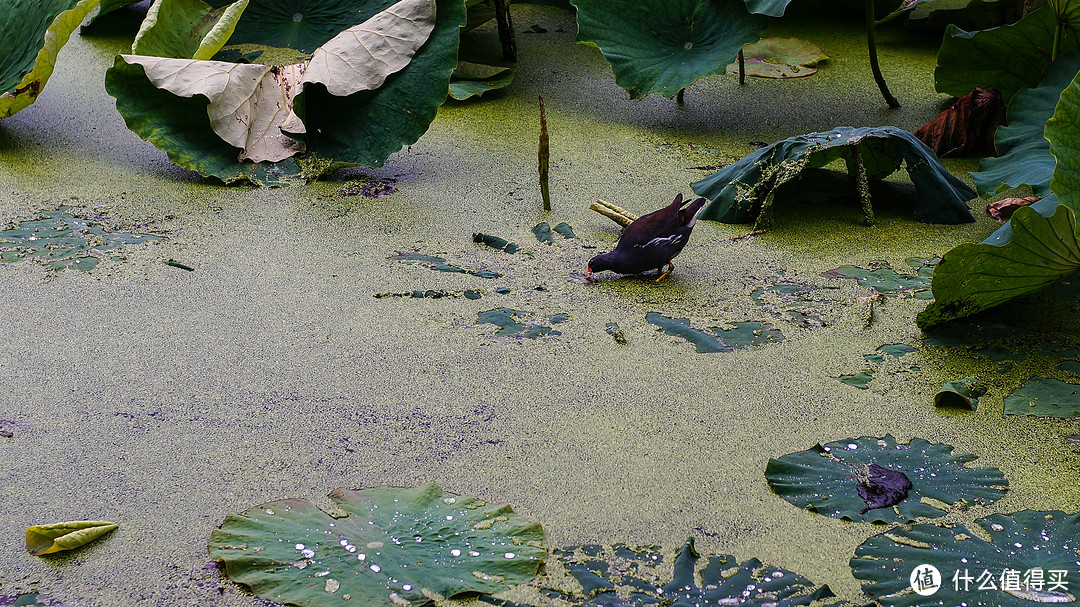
x,y
519,323
1001,560
824,479
625,576
738,336
351,107
1045,398
475,79
62,240
780,58
1007,58
1023,153
32,33
888,281
664,46
46,539
741,190
394,546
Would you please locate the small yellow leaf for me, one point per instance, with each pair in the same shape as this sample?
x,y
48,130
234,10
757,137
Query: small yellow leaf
x,y
46,539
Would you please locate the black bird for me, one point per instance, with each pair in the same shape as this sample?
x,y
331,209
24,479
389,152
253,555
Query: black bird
x,y
651,241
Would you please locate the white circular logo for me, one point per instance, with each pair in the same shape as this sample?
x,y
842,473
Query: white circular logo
x,y
925,580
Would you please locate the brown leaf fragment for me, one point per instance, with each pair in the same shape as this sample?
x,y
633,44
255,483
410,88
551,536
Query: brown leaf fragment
x,y
967,128
1003,209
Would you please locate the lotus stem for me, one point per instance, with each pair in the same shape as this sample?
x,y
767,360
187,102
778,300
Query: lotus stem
x,y
857,173
871,44
742,68
506,30
613,212
1056,49
543,155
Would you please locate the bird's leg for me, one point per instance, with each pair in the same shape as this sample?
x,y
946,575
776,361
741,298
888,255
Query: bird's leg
x,y
663,274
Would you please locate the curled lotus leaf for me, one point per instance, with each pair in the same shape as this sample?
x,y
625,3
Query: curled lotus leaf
x,y
55,537
32,33
664,46
370,87
1024,555
826,478
393,547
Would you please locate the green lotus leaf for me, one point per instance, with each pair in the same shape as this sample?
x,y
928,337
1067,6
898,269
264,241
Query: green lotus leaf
x,y
780,58
1044,398
628,576
31,36
108,6
394,546
1024,555
349,112
186,29
823,479
664,46
1024,153
739,191
1008,58
475,79
47,539
1039,246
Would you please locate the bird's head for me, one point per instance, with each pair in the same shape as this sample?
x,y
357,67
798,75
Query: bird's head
x,y
598,264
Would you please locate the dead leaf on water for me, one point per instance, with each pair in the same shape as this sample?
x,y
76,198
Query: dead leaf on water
x,y
46,539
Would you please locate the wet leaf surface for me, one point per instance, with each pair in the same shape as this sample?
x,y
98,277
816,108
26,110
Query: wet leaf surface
x,y
780,58
887,281
392,546
825,479
63,240
632,576
737,336
1022,543
520,324
1044,397
439,264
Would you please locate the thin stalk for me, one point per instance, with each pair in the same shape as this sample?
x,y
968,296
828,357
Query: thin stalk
x,y
506,30
543,155
871,43
1056,49
742,68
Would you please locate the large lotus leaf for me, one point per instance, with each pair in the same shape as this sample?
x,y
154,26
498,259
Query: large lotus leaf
x,y
303,25
1002,560
1039,246
32,33
736,195
635,577
1008,58
824,479
664,46
352,124
186,29
1024,154
394,546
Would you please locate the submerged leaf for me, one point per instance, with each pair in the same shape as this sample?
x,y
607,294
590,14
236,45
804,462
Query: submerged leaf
x,y
664,46
780,58
394,546
31,36
1044,398
46,539
827,479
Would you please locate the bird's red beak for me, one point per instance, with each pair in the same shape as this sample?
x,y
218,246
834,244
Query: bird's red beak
x,y
589,275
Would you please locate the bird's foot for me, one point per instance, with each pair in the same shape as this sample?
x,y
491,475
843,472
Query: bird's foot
x,y
663,274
